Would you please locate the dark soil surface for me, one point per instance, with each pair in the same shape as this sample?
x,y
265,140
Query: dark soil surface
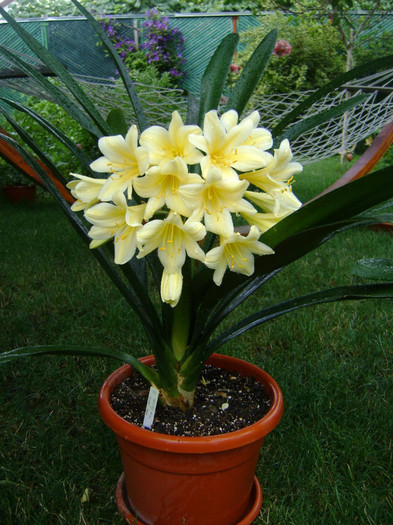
x,y
224,402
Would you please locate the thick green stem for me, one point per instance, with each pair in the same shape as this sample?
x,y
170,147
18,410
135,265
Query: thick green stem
x,y
182,321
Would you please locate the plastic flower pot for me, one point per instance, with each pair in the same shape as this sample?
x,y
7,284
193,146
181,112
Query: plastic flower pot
x,y
20,193
192,480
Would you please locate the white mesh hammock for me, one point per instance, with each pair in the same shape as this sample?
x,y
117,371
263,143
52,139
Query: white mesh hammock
x,y
337,136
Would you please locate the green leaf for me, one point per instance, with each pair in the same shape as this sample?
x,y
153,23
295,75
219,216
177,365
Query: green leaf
x,y
309,123
29,351
55,93
251,74
292,238
213,79
379,269
57,133
337,205
344,293
135,294
357,72
57,67
134,99
117,122
192,109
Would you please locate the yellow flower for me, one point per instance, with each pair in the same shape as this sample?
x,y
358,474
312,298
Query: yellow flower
x,y
117,221
85,191
236,253
281,201
173,240
275,208
164,145
263,221
124,159
215,199
227,145
161,184
259,137
279,169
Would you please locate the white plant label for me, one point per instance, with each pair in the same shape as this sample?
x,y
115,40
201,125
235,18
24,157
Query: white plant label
x,y
151,406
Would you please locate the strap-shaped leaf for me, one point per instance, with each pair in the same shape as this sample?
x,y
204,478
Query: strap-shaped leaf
x,y
291,239
192,109
357,72
343,293
48,126
340,204
57,67
211,314
29,351
252,73
134,99
191,368
55,93
309,123
29,142
214,77
135,295
379,269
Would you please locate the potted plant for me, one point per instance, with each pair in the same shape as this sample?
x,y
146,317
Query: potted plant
x,y
160,210
14,186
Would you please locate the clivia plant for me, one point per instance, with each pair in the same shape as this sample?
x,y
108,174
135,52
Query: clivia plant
x,y
199,215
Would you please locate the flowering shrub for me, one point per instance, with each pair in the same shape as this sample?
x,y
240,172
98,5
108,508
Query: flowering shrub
x,y
134,58
282,48
163,47
315,54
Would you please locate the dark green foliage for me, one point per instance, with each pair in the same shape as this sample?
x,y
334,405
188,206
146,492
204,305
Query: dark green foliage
x,y
327,462
317,54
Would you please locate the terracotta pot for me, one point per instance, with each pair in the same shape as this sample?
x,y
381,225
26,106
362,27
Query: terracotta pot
x,y
191,480
20,193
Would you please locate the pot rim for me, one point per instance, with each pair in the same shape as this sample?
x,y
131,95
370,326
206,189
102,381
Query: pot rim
x,y
189,444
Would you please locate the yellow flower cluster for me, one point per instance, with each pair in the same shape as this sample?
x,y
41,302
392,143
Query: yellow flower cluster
x,y
187,182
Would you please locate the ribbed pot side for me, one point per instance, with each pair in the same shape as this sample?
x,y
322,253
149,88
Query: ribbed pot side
x,y
191,480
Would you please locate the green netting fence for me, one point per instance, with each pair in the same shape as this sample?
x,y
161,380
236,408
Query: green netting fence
x,y
74,42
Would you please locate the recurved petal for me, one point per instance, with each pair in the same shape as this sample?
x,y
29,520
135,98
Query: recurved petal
x,y
113,148
155,138
199,142
105,214
114,184
125,245
214,131
249,158
229,119
131,139
219,223
102,165
100,233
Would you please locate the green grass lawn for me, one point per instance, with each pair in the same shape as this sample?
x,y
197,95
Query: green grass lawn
x,y
328,462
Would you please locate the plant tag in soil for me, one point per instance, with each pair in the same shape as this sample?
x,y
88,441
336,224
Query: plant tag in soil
x,y
150,407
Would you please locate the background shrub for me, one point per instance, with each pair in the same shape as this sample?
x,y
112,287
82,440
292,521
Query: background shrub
x,y
316,57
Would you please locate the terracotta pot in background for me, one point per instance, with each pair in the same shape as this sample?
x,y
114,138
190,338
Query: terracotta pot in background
x,y
20,193
192,480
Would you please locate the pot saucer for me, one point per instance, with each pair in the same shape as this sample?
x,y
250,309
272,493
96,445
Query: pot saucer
x,y
125,508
